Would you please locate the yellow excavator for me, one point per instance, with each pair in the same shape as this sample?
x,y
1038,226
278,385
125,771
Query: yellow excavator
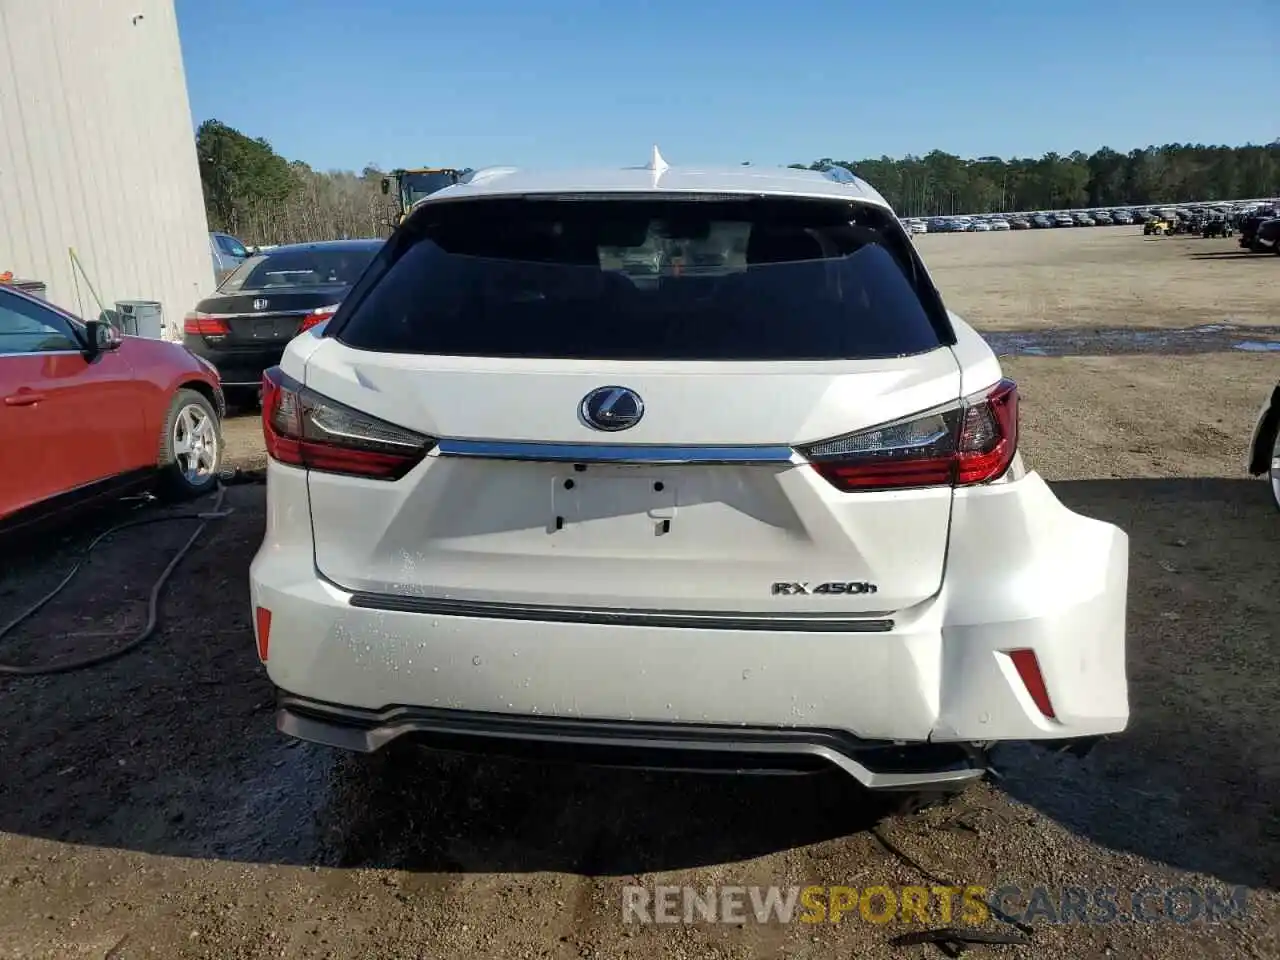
x,y
407,187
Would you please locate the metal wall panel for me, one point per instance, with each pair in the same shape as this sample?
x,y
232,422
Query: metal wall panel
x,y
97,153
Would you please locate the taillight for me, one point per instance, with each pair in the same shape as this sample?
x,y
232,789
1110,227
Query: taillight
x,y
318,315
304,429
973,441
204,325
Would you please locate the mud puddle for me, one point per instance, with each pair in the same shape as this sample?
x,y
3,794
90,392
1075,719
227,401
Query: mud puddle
x,y
1097,342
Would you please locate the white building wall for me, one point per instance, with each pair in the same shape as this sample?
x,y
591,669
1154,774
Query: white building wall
x,y
97,154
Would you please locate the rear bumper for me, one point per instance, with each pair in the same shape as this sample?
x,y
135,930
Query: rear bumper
x,y
655,746
241,367
1023,572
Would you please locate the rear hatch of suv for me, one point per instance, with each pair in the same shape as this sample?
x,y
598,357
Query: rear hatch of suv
x,y
679,405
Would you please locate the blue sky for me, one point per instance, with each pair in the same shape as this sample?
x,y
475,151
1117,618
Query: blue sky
x,y
340,83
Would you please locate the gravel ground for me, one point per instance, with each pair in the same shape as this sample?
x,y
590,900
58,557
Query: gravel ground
x,y
149,808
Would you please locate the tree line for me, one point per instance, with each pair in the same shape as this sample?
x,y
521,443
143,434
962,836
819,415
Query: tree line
x,y
255,194
263,198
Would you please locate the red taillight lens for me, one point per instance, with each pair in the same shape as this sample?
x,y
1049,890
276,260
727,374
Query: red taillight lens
x,y
318,315
971,442
988,435
204,325
304,429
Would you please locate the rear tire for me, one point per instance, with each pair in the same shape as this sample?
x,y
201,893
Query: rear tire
x,y
190,447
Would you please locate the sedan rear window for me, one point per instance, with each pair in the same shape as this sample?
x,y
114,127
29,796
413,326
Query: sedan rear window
x,y
295,268
630,279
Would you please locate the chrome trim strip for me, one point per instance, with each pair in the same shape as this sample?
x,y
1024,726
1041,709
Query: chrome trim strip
x,y
256,315
669,619
614,453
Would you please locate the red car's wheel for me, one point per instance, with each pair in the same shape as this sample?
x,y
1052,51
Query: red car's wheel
x,y
190,447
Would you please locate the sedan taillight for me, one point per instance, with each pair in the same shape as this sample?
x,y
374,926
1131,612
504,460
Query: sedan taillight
x,y
971,442
199,324
305,429
316,316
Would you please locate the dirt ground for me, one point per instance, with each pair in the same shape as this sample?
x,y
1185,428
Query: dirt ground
x,y
1100,277
148,808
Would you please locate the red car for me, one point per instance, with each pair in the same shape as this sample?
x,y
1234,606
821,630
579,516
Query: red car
x,y
87,413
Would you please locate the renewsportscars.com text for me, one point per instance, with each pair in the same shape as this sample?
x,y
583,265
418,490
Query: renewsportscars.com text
x,y
960,906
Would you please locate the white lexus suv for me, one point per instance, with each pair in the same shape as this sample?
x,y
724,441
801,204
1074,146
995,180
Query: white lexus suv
x,y
672,467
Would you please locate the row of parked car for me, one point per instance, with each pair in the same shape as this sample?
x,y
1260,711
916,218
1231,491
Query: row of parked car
x,y
1258,226
996,222
1228,214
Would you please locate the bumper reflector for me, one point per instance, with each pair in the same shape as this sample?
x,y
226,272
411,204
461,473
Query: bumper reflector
x,y
262,618
1028,667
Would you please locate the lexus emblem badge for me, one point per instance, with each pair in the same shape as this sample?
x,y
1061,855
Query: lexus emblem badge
x,y
611,409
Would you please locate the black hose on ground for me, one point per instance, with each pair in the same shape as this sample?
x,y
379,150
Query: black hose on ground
x,y
153,601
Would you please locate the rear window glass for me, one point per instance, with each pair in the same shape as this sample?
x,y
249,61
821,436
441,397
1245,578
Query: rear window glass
x,y
645,279
299,268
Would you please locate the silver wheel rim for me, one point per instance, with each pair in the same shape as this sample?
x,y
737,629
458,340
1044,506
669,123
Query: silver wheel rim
x,y
195,443
1275,469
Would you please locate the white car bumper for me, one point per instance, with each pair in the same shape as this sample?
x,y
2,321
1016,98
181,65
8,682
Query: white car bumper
x,y
1023,573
